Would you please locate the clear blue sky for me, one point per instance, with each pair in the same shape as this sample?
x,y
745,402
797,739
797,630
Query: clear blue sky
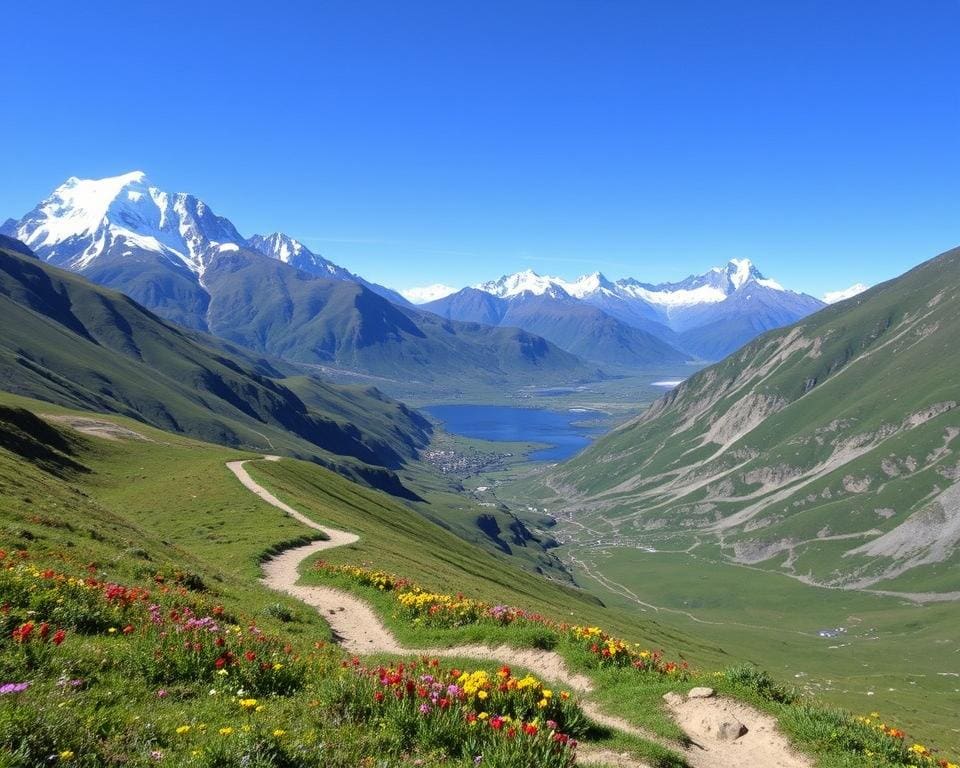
x,y
455,141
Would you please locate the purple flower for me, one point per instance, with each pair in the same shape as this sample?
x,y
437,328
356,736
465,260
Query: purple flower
x,y
162,693
13,688
424,709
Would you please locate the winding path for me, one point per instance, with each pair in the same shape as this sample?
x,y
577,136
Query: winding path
x,y
358,629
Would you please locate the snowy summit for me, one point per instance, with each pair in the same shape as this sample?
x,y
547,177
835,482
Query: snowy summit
x,y
832,297
423,294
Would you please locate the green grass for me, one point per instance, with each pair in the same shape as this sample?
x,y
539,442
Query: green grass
x,y
890,660
166,506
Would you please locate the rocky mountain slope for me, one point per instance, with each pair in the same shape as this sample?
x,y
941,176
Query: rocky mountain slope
x,y
826,450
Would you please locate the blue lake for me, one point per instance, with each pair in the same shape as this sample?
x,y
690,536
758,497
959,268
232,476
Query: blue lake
x,y
557,429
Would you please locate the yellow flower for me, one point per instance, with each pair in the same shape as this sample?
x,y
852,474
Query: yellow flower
x,y
111,631
248,704
547,693
225,731
183,729
482,716
279,732
481,694
67,754
277,666
542,703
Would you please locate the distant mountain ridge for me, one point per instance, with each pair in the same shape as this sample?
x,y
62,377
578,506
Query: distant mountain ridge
x,y
172,254
704,316
86,223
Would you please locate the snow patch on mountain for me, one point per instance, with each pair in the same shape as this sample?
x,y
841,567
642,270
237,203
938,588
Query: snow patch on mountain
x,y
675,297
832,297
425,293
710,288
519,283
84,219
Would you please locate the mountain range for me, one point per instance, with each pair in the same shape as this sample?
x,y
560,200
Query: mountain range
x,y
826,450
704,317
171,253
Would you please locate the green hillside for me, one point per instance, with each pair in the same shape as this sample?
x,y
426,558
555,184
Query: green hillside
x,y
121,539
825,450
268,306
70,342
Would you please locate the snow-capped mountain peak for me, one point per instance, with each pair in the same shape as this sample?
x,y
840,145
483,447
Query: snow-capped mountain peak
x,y
832,297
709,288
290,251
739,271
86,219
519,283
424,294
277,245
587,285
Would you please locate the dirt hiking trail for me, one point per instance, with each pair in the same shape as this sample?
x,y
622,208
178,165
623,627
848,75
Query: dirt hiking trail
x,y
358,629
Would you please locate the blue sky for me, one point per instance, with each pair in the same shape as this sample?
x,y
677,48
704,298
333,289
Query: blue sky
x,y
456,141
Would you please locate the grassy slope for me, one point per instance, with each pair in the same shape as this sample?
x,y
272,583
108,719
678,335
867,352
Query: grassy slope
x,y
168,504
847,445
851,376
269,306
70,342
180,489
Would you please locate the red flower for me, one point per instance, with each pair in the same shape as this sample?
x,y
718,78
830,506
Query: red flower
x,y
58,637
128,630
43,631
22,633
378,696
250,655
530,729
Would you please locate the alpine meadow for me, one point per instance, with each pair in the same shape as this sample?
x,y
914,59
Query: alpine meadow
x,y
499,385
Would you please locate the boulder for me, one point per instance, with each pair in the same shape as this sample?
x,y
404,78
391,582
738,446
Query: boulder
x,y
673,698
730,729
700,693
